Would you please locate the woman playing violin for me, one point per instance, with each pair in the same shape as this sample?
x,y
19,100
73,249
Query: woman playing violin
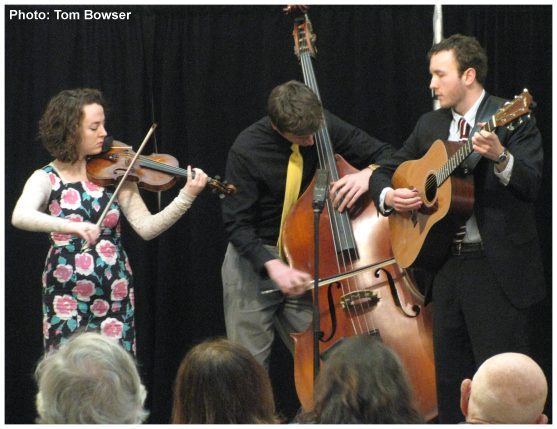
x,y
87,280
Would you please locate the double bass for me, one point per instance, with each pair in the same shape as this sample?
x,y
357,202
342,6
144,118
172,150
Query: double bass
x,y
383,302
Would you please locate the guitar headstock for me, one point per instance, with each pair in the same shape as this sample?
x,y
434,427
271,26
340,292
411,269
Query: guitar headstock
x,y
304,37
514,110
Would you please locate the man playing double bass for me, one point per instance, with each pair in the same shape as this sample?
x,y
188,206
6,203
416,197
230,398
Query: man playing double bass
x,y
257,164
484,288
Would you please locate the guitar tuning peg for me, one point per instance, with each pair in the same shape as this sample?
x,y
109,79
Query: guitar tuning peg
x,y
511,127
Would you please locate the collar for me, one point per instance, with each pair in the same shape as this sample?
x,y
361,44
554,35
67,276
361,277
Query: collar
x,y
470,115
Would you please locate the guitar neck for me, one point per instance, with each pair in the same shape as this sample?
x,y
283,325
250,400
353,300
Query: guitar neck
x,y
461,154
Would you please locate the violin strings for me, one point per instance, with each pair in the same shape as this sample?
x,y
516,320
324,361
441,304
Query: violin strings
x,y
161,166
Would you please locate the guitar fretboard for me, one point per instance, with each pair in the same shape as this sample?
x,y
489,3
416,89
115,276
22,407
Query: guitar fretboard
x,y
460,155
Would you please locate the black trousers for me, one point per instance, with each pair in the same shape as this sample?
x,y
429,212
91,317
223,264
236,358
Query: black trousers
x,y
472,321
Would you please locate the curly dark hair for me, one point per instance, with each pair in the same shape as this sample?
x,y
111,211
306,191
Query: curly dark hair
x,y
468,54
294,108
59,125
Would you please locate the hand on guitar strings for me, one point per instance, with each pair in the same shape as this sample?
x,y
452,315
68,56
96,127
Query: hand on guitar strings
x,y
403,199
487,144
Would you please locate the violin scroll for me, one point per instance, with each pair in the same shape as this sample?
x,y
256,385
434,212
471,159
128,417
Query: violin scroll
x,y
223,188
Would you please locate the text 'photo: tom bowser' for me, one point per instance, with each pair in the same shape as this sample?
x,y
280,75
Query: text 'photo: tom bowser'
x,y
65,15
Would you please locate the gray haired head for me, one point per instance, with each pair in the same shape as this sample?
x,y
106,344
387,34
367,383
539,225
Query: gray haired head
x,y
90,379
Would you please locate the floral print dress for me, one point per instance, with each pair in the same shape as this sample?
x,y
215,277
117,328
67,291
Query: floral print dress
x,y
86,290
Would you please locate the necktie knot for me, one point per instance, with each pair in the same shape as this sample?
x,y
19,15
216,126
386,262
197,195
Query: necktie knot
x,y
463,130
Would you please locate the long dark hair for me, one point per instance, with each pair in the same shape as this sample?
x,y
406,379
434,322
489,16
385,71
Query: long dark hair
x,y
362,382
220,382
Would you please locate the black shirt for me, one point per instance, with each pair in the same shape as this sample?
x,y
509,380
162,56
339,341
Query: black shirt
x,y
257,165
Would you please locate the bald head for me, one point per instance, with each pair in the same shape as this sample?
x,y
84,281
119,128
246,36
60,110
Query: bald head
x,y
507,388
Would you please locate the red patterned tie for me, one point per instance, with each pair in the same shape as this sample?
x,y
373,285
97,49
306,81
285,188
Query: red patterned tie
x,y
464,130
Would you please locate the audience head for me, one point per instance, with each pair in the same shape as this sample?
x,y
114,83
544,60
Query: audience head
x,y
220,382
294,108
90,379
362,382
507,388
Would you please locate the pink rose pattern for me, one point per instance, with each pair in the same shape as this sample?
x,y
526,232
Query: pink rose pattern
x,y
119,290
55,208
107,251
100,308
94,190
112,328
54,181
111,219
86,290
70,199
84,263
65,306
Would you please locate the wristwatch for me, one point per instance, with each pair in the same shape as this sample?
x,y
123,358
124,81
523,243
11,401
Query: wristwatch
x,y
503,157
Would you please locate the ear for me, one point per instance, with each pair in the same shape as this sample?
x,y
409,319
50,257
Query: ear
x,y
469,76
542,420
465,389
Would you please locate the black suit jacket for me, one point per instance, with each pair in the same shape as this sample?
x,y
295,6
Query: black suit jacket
x,y
505,214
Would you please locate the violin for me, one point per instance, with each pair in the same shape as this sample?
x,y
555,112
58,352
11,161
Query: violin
x,y
155,172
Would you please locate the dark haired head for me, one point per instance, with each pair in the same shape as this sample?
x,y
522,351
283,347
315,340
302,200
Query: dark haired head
x,y
468,54
220,382
362,382
294,108
59,125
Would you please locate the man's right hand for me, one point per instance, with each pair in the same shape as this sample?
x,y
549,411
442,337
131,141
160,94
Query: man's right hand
x,y
289,280
403,199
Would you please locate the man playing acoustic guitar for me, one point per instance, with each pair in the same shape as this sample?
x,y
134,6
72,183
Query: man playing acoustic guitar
x,y
492,272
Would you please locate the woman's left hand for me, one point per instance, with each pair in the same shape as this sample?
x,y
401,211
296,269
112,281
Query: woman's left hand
x,y
195,185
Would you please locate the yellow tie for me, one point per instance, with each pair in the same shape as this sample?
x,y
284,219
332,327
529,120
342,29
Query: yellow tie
x,y
292,190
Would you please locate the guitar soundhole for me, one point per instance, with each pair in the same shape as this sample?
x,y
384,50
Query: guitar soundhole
x,y
430,188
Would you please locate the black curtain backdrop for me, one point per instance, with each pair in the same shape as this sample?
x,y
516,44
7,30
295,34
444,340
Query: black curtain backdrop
x,y
203,74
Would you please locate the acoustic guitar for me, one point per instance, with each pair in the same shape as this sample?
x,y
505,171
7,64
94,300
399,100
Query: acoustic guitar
x,y
422,238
